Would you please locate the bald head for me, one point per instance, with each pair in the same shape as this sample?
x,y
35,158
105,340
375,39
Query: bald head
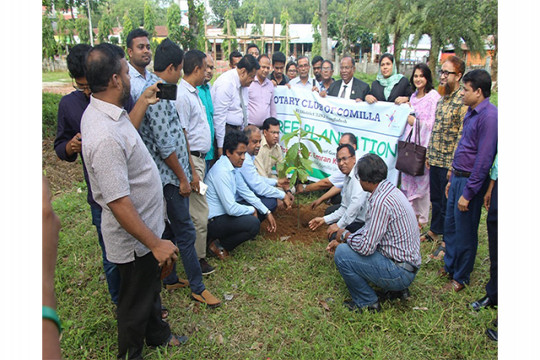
x,y
253,134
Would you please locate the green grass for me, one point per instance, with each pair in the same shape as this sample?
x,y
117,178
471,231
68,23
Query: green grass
x,y
49,107
277,311
53,76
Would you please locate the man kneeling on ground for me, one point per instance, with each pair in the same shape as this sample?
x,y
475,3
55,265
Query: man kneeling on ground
x,y
386,251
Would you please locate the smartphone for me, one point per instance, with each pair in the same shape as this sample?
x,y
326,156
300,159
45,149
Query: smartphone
x,y
166,91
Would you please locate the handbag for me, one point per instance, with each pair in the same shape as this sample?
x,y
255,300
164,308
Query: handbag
x,y
411,156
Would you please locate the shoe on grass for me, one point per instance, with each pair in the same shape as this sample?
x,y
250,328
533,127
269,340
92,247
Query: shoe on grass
x,y
206,298
206,268
181,283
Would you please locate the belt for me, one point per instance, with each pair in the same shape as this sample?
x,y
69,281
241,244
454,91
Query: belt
x,y
407,266
461,173
198,154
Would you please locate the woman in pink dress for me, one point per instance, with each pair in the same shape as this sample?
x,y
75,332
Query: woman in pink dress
x,y
424,103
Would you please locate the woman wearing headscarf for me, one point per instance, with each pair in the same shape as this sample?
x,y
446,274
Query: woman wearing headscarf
x,y
389,86
424,104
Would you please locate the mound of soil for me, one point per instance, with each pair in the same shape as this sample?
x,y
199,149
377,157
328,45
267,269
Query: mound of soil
x,y
61,174
288,229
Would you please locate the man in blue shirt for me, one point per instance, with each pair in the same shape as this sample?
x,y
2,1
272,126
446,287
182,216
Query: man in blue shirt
x,y
230,222
164,136
265,188
140,55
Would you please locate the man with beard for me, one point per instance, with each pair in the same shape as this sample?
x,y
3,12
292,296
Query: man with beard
x,y
68,142
140,55
126,184
263,187
442,144
261,103
165,136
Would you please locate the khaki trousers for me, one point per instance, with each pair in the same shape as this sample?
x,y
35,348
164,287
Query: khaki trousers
x,y
198,209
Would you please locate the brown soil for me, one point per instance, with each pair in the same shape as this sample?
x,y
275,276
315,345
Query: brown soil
x,y
287,225
57,87
60,174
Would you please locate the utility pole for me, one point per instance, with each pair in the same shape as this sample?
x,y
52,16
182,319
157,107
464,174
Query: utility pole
x,y
90,24
323,16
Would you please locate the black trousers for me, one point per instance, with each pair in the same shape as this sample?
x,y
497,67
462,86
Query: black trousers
x,y
139,307
437,187
492,287
233,230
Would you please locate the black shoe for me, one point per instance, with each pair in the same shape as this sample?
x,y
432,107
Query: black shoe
x,y
403,295
483,303
492,334
206,268
373,308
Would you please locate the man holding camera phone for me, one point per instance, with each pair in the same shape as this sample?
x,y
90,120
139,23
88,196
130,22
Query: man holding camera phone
x,y
165,137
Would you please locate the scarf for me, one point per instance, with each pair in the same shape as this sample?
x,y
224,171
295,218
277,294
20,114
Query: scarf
x,y
389,82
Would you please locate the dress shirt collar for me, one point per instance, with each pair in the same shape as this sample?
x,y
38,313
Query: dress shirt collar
x,y
480,107
264,83
188,86
227,165
344,83
264,142
113,111
137,73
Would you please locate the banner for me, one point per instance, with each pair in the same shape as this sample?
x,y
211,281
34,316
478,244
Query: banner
x,y
377,127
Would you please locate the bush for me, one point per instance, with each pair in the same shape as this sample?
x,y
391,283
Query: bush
x,y
49,114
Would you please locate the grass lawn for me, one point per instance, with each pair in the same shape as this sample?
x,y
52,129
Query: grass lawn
x,y
55,76
286,304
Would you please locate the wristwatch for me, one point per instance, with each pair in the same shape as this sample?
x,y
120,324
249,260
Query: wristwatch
x,y
268,213
343,237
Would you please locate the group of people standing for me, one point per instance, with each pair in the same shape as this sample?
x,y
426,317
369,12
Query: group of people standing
x,y
184,177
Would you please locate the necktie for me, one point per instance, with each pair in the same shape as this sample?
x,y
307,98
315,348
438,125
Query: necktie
x,y
243,105
343,91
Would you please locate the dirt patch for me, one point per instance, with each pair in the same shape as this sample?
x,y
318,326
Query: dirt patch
x,y
287,225
57,87
61,174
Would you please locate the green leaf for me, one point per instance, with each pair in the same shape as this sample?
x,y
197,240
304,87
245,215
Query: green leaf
x,y
327,139
292,153
290,168
316,143
305,151
298,117
306,164
303,175
294,177
287,137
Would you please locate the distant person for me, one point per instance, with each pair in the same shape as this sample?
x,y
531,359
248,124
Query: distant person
x,y
261,94
234,58
351,215
316,63
291,70
303,81
278,64
389,85
326,75
424,103
230,98
344,88
385,252
253,49
140,55
126,184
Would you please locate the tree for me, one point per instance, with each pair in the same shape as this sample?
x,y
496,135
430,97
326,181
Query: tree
x,y
230,29
105,28
489,26
49,45
65,30
284,21
173,23
219,8
316,48
323,16
257,29
149,20
81,25
196,14
127,27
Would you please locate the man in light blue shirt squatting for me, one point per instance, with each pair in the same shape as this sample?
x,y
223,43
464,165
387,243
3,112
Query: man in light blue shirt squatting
x,y
140,55
271,196
230,223
165,138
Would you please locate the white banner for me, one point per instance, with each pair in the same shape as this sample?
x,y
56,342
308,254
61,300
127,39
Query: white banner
x,y
377,127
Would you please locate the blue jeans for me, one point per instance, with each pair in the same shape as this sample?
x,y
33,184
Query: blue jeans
x,y
357,270
461,231
181,232
112,274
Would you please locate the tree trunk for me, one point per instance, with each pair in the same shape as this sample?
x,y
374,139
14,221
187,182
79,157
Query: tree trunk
x,y
397,49
192,19
495,63
324,29
433,54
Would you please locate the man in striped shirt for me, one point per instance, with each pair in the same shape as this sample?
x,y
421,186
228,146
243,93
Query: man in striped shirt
x,y
386,251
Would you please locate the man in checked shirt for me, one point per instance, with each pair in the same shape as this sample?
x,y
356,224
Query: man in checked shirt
x,y
386,250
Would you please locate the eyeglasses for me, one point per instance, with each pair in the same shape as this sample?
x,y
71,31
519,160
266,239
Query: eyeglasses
x,y
346,67
80,87
446,73
343,159
326,68
303,65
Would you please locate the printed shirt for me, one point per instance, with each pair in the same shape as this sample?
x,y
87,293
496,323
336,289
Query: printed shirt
x,y
261,104
138,82
119,165
260,185
353,203
390,228
206,98
221,192
264,161
477,147
163,134
193,117
445,134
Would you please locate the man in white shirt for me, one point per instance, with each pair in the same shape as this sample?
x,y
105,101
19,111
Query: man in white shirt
x,y
230,98
303,80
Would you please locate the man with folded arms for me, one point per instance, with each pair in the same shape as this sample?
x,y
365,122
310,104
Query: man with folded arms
x,y
263,187
231,222
351,214
386,250
126,184
164,136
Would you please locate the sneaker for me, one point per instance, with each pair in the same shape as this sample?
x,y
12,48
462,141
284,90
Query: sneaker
x,y
206,268
206,298
181,283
